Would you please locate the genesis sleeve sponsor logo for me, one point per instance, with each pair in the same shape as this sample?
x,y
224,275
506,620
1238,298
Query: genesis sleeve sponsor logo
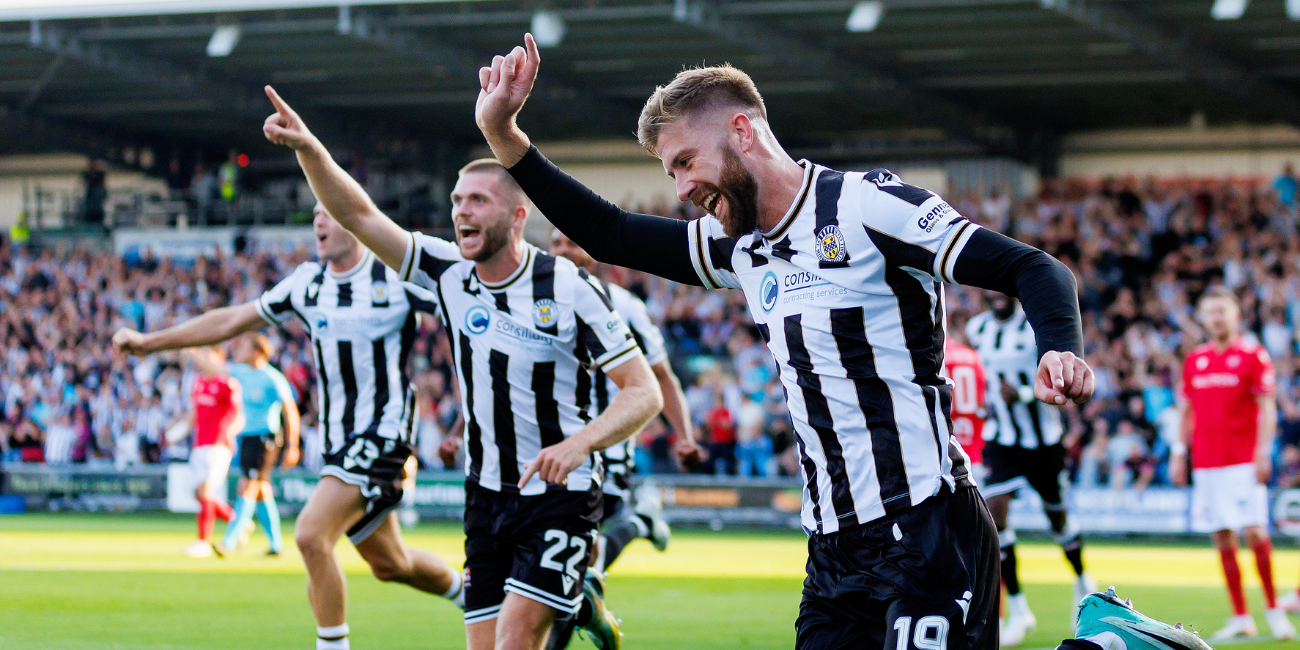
x,y
930,219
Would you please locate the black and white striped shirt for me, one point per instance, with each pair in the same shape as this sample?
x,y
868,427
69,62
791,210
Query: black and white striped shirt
x,y
525,350
619,459
1010,354
363,324
848,293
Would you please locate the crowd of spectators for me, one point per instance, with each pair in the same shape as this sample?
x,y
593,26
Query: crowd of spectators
x,y
1143,250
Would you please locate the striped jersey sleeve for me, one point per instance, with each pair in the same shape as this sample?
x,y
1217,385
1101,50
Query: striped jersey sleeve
x,y
711,252
644,331
912,226
421,299
275,305
600,330
426,259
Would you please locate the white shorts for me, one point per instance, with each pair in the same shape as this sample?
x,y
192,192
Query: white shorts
x,y
1228,498
210,464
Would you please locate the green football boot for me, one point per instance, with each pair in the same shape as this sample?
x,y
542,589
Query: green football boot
x,y
1104,619
602,629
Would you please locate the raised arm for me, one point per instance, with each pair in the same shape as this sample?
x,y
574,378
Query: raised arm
x,y
1047,290
647,243
341,195
213,327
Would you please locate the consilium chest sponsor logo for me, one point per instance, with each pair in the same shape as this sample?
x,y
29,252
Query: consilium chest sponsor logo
x,y
477,319
830,244
768,290
544,313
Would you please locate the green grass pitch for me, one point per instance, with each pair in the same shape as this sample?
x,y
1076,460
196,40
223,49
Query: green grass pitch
x,y
98,582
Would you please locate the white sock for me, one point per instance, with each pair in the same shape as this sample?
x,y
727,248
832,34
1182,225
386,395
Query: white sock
x,y
456,592
332,638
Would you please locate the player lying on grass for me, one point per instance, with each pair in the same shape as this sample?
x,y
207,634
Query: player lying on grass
x,y
362,320
623,521
527,331
217,417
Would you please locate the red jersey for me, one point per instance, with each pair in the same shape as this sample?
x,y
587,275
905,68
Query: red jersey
x,y
1220,389
962,365
216,403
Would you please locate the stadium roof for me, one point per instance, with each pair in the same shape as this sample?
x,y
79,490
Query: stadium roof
x,y
933,79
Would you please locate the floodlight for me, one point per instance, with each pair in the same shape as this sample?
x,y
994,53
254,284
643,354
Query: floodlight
x,y
1228,9
548,28
224,40
1293,9
865,16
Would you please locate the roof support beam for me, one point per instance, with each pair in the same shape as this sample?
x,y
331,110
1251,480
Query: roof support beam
x,y
22,128
1178,51
880,88
583,105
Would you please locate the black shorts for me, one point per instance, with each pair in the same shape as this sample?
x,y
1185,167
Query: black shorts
x,y
535,546
258,453
374,464
929,573
1011,468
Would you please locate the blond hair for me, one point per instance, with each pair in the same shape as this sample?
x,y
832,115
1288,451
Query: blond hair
x,y
692,91
494,166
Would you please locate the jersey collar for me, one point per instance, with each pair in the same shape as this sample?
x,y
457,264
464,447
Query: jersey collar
x,y
519,272
797,206
352,271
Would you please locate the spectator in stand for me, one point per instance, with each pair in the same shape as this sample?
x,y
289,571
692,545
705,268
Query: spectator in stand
x,y
94,192
1286,186
722,436
753,447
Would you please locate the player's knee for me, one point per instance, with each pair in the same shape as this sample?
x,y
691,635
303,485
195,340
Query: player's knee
x,y
389,569
311,545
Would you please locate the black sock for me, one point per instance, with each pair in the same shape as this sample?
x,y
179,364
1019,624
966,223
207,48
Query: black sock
x,y
1009,569
562,632
1078,644
617,538
1073,548
584,615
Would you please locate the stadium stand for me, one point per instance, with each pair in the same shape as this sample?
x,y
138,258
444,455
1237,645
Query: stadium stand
x,y
1142,249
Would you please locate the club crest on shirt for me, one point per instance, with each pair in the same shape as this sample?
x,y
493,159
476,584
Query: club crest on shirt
x,y
830,244
319,321
379,291
477,319
1201,363
544,313
1234,361
768,290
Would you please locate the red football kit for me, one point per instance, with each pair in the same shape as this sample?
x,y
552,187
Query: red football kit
x,y
963,367
215,407
1221,388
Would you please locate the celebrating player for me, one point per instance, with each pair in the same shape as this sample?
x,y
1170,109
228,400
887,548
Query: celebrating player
x,y
217,417
527,331
362,319
268,402
1023,450
1229,418
843,273
623,523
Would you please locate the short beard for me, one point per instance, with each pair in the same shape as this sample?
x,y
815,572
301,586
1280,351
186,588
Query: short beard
x,y
740,190
495,238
